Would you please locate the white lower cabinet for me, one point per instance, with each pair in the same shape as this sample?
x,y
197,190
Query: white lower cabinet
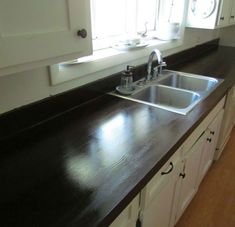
x,y
227,122
158,197
211,138
189,175
199,157
129,215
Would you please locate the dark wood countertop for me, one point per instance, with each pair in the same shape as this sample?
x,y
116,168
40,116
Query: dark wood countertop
x,y
83,167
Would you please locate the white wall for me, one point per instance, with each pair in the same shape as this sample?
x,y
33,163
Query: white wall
x,y
23,88
227,36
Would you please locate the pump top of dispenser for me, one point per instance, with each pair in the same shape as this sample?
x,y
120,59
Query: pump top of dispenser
x,y
128,71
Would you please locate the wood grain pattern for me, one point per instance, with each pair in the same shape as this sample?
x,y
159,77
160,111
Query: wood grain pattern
x,y
214,203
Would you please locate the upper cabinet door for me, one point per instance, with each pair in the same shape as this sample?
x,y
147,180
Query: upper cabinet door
x,y
33,30
232,14
224,15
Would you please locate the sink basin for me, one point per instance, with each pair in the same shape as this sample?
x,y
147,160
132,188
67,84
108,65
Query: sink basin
x,y
172,99
173,91
192,83
165,96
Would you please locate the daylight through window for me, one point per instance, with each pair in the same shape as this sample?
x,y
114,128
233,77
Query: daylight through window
x,y
114,20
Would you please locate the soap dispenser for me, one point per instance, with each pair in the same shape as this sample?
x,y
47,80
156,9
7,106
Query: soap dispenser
x,y
126,86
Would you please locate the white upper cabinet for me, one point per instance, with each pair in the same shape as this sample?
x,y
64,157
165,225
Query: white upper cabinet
x,y
32,31
224,14
209,14
232,12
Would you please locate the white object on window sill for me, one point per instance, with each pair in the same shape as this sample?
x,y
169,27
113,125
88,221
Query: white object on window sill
x,y
120,46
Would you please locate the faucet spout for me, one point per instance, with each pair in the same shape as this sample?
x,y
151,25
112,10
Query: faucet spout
x,y
157,69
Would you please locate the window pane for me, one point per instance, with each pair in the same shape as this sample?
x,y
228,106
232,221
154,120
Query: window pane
x,y
108,18
171,10
146,11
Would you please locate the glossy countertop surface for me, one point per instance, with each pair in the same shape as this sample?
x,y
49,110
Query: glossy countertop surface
x,y
83,167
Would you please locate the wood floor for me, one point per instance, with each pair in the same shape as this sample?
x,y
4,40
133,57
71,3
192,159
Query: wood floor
x,y
214,203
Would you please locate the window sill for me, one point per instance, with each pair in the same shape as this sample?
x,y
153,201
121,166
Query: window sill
x,y
106,62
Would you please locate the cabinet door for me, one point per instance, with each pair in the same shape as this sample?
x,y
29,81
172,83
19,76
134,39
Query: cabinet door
x,y
232,13
224,15
32,30
129,216
209,148
227,122
207,158
189,184
157,199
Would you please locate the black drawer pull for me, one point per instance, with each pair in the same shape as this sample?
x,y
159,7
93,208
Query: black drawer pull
x,y
232,17
212,132
182,175
221,18
168,171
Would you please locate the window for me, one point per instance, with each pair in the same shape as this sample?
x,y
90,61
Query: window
x,y
113,20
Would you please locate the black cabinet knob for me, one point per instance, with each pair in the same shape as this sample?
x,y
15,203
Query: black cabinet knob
x,y
221,18
232,17
182,175
209,140
82,33
212,132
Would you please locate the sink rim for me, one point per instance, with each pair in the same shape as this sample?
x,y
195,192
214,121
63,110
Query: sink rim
x,y
183,111
170,74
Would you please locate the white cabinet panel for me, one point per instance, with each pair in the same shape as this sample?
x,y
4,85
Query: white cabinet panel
x,y
158,197
129,216
189,176
211,139
224,15
227,122
232,13
33,30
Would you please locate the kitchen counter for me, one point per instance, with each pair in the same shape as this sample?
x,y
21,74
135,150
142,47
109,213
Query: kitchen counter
x,y
84,166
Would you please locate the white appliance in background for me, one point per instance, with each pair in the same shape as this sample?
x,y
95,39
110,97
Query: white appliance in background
x,y
203,13
167,31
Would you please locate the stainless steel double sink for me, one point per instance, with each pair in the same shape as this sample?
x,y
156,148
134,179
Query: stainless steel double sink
x,y
173,91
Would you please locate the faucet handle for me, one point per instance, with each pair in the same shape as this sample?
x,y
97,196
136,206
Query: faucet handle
x,y
158,69
162,64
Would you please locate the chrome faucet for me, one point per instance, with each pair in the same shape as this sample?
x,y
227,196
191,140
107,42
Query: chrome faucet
x,y
158,69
